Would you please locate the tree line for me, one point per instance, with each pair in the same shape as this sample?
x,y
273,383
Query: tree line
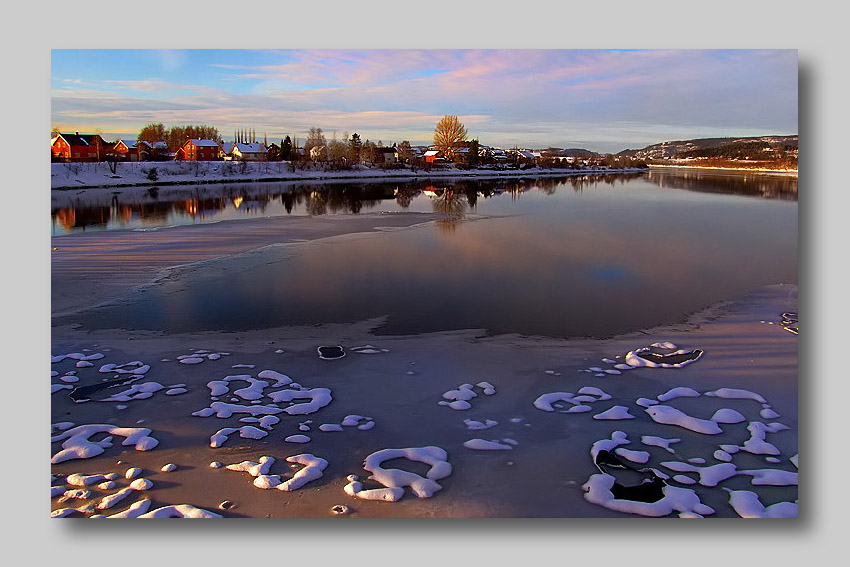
x,y
175,136
450,138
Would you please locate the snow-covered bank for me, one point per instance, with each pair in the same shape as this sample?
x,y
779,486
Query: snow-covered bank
x,y
788,172
77,175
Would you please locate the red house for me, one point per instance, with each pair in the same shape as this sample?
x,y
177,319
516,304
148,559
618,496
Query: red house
x,y
434,156
79,147
194,149
132,150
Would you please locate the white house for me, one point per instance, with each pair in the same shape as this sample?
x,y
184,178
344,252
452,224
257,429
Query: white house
x,y
249,152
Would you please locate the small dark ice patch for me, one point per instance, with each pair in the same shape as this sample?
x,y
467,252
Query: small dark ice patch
x,y
649,490
671,358
83,393
331,352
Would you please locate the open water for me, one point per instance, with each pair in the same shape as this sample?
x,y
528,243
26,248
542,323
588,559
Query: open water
x,y
585,256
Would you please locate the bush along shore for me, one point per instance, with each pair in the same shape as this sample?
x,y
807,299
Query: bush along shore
x,y
67,176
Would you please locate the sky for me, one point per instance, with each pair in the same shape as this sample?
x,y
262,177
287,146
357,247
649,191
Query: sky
x,y
601,100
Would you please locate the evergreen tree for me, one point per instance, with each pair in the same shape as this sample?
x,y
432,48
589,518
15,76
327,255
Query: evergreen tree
x,y
473,152
286,149
354,147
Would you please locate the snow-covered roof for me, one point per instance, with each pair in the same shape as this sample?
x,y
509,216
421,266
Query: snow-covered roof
x,y
461,150
252,148
131,144
206,143
432,152
74,139
159,145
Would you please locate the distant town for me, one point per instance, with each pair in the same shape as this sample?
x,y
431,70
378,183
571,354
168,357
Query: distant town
x,y
451,148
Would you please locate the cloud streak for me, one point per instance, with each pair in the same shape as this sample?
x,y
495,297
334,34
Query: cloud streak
x,y
610,99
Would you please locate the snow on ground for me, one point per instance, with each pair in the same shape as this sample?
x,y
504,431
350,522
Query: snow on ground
x,y
77,175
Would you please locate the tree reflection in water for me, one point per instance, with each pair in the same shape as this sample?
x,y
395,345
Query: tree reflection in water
x,y
451,205
452,198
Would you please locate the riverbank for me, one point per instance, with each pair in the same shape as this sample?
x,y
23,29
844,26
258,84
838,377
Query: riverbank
x,y
508,425
785,172
71,176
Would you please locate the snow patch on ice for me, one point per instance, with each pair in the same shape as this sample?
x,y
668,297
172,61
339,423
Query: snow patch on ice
x,y
180,511
458,399
614,413
484,445
748,505
478,425
671,416
682,500
394,480
653,441
246,432
78,445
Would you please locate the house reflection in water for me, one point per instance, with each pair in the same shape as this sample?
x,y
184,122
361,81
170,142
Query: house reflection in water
x,y
452,199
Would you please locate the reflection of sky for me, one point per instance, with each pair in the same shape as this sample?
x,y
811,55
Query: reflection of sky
x,y
609,273
533,98
591,263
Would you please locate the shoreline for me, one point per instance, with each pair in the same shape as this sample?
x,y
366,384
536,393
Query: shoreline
x,y
93,175
98,175
782,172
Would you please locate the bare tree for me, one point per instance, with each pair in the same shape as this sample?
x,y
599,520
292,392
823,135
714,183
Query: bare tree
x,y
314,138
448,135
337,150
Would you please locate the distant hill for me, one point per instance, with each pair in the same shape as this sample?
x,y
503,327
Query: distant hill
x,y
751,148
570,152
